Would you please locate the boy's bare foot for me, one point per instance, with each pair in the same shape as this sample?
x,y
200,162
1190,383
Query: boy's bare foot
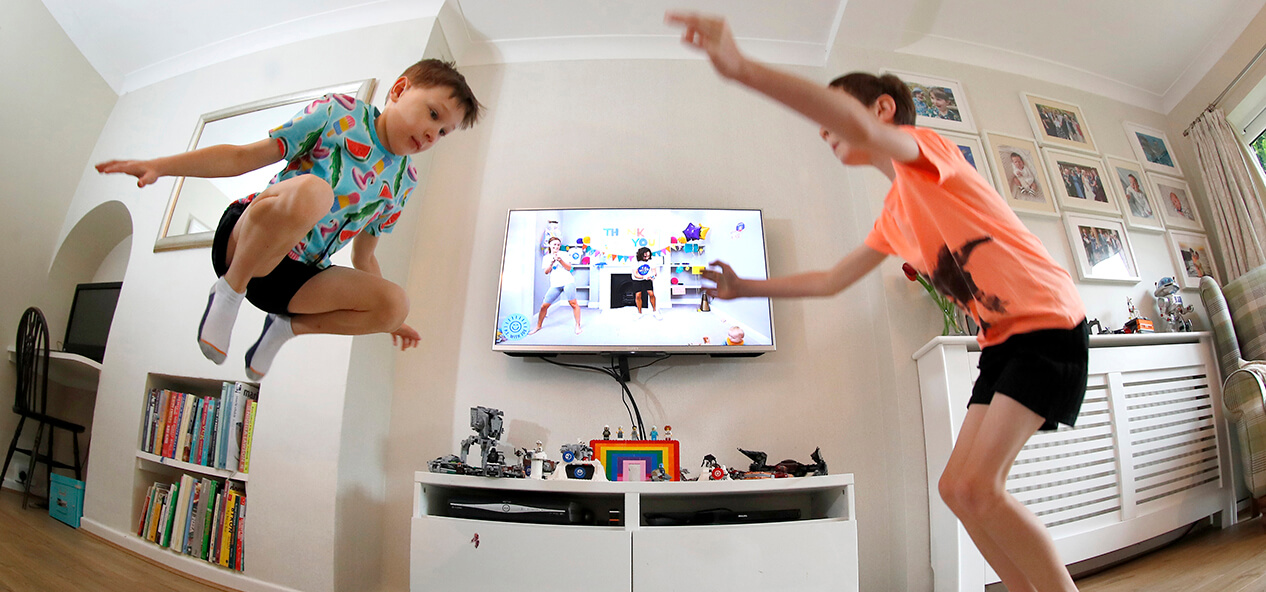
x,y
533,331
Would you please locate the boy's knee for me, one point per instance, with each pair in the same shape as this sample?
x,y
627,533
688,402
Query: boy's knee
x,y
394,306
311,196
970,497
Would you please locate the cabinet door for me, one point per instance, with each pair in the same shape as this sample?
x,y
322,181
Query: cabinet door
x,y
802,556
454,554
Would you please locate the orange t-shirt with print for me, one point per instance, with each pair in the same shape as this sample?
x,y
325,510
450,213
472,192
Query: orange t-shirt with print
x,y
945,219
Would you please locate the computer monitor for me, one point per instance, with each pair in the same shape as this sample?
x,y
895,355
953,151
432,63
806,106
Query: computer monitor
x,y
90,316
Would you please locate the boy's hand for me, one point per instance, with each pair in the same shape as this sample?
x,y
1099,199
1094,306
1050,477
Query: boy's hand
x,y
408,337
727,283
144,170
712,35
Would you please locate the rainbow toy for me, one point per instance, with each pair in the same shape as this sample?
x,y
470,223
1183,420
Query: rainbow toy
x,y
616,455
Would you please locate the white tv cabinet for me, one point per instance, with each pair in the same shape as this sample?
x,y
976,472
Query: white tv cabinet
x,y
1149,453
817,552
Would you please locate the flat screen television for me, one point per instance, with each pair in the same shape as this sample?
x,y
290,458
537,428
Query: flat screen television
x,y
90,316
608,261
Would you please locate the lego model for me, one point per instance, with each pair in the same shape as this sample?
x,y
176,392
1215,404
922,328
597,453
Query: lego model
x,y
1170,306
577,451
488,426
713,470
786,468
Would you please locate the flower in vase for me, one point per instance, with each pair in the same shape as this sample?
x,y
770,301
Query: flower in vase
x,y
949,310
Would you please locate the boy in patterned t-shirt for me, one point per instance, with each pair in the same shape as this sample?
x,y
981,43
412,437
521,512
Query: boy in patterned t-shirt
x,y
949,224
347,178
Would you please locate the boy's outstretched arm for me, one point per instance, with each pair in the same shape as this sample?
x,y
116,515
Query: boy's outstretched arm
x,y
222,160
837,111
828,282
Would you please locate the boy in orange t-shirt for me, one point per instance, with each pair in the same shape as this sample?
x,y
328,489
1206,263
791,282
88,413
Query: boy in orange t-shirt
x,y
948,222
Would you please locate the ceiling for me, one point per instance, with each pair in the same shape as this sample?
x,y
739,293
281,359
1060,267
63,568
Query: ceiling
x,y
1149,53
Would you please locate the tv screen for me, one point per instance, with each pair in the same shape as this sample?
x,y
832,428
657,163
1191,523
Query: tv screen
x,y
90,316
628,281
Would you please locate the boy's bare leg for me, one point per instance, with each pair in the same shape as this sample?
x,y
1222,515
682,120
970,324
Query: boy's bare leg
x,y
638,299
340,301
269,227
1012,539
540,318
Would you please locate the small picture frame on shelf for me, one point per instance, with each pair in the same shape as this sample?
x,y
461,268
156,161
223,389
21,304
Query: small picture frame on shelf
x,y
1174,199
1138,203
1021,179
939,103
1152,148
1057,123
1192,256
974,151
1081,182
1101,248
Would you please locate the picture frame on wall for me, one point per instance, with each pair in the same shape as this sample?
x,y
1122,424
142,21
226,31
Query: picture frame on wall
x,y
1138,203
1193,257
1152,148
1174,199
1019,174
1101,248
974,151
939,103
1081,182
1058,123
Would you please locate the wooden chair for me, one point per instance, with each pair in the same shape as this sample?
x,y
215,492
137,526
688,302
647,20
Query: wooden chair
x,y
31,402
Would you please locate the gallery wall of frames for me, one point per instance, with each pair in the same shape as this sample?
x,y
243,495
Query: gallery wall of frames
x,y
1059,172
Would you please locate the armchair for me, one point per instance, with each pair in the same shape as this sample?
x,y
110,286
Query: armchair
x,y
1237,313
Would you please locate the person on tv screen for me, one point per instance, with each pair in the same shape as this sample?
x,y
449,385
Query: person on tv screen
x,y
643,282
347,177
561,283
955,229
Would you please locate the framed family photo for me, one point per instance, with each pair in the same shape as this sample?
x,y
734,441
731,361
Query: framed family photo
x,y
1080,182
1059,124
1192,256
974,151
1101,248
1020,177
1138,205
939,103
1151,146
1173,197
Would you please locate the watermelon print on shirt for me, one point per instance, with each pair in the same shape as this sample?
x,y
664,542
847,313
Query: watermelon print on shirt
x,y
334,138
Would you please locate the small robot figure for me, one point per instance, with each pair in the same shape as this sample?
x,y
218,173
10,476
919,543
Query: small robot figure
x,y
633,433
660,474
606,432
1170,305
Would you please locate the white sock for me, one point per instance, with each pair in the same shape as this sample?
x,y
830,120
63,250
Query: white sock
x,y
217,320
260,356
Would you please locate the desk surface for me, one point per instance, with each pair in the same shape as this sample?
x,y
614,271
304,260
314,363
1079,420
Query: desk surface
x,y
72,370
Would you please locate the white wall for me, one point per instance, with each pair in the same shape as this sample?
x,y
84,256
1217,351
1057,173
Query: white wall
x,y
57,104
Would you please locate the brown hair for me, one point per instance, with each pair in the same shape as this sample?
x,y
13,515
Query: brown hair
x,y
867,88
432,72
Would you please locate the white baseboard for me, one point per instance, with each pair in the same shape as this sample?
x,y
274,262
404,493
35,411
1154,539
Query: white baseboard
x,y
183,563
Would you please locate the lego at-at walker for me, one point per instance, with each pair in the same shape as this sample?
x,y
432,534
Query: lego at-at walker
x,y
489,427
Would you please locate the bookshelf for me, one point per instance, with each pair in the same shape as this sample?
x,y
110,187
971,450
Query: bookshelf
x,y
686,292
193,453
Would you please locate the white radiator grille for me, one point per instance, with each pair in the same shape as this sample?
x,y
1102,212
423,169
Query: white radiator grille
x,y
1170,421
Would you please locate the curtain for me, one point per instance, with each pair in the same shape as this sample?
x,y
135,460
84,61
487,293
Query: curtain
x,y
1239,215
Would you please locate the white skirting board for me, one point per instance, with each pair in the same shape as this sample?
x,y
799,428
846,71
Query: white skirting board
x,y
1149,453
194,567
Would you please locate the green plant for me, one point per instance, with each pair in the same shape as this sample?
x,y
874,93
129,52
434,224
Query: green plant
x,y
949,310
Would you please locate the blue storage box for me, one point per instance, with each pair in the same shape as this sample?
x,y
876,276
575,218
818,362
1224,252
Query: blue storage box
x,y
66,499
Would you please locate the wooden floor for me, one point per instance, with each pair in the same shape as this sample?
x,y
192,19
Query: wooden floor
x,y
39,554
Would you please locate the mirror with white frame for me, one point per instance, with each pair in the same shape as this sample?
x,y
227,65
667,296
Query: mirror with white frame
x,y
195,206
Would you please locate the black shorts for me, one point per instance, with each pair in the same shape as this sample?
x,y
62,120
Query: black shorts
x,y
269,293
646,286
1044,370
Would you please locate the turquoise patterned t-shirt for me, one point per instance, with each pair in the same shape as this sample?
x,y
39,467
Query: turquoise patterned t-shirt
x,y
334,138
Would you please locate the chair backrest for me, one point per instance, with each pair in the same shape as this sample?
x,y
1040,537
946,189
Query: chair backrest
x,y
1246,298
32,362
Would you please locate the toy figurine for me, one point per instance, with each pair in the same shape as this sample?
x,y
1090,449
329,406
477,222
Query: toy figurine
x,y
668,432
606,432
654,433
619,432
1170,305
787,467
659,474
1133,312
714,470
633,433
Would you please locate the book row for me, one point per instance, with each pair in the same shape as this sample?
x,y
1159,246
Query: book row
x,y
202,518
202,430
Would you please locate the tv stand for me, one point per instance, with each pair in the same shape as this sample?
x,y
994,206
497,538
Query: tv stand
x,y
619,551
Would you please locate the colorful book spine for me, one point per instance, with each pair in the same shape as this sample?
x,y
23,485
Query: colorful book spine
x,y
160,437
147,424
186,429
248,436
208,432
149,496
226,529
169,515
186,540
240,533
171,433
208,520
223,425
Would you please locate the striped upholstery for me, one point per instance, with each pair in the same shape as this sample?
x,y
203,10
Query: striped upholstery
x,y
1238,315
